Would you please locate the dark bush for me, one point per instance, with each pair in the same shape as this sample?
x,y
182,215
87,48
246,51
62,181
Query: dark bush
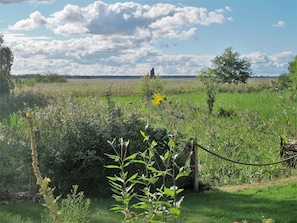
x,y
284,81
74,142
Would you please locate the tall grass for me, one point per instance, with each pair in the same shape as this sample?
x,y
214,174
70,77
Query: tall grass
x,y
244,126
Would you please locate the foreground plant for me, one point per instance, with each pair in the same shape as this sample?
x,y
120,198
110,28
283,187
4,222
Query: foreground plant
x,y
51,202
155,203
74,208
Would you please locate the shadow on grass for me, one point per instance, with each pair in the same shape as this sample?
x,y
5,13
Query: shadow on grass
x,y
276,202
224,207
27,211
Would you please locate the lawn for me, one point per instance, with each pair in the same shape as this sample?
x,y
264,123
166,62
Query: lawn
x,y
216,206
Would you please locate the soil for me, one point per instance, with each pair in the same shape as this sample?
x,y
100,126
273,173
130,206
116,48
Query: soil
x,y
235,188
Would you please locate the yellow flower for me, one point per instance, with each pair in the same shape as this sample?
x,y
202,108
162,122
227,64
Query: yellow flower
x,y
29,114
158,98
47,179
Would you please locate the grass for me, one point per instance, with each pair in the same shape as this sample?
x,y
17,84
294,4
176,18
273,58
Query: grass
x,y
277,202
252,135
124,87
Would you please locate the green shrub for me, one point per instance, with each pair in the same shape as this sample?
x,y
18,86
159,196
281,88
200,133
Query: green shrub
x,y
38,78
156,203
147,87
74,137
284,81
15,165
73,209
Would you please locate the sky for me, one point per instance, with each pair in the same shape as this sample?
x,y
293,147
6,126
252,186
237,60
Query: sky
x,y
87,37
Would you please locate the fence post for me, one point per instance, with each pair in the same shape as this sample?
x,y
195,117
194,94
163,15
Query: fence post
x,y
196,163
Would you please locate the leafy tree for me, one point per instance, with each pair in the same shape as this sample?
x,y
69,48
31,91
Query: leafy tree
x,y
230,68
208,79
293,72
289,80
6,61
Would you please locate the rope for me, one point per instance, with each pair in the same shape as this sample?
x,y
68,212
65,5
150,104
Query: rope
x,y
243,163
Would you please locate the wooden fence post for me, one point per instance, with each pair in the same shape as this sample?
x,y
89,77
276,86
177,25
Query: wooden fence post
x,y
196,163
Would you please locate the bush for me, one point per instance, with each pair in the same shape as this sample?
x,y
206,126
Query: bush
x,y
74,139
147,87
284,81
15,165
47,78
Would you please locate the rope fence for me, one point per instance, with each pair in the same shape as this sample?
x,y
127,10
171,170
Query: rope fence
x,y
195,147
243,163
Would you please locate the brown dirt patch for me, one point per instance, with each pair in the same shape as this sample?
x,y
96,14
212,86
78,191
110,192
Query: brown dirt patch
x,y
235,188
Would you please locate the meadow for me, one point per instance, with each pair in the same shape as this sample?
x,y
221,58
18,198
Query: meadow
x,y
75,119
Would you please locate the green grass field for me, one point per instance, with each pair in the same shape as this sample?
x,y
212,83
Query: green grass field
x,y
246,125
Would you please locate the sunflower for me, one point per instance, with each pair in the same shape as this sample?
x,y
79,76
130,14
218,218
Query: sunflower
x,y
158,98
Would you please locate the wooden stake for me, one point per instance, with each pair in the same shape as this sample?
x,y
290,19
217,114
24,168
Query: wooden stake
x,y
196,170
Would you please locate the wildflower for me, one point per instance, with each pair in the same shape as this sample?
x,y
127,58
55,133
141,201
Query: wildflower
x,y
47,179
158,98
29,114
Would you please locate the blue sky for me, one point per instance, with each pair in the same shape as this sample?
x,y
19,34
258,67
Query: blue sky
x,y
128,38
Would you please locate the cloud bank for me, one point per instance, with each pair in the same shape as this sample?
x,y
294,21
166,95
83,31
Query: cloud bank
x,y
119,39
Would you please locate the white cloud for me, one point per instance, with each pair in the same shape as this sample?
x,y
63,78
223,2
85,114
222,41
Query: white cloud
x,y
127,18
276,64
119,39
279,24
34,21
95,55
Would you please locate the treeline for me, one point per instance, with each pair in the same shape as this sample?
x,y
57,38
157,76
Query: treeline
x,y
46,78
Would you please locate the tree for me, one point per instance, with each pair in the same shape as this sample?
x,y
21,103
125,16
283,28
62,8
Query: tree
x,y
208,79
230,68
293,72
6,61
289,80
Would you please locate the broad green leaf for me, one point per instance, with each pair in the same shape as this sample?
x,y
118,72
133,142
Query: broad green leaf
x,y
141,206
175,212
112,167
139,161
113,157
153,144
179,191
166,155
151,154
169,192
133,177
171,143
117,208
183,174
153,169
111,178
117,198
131,157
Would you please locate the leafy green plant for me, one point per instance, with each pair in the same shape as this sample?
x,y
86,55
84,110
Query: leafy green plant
x,y
123,184
148,86
75,208
158,192
210,83
6,61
